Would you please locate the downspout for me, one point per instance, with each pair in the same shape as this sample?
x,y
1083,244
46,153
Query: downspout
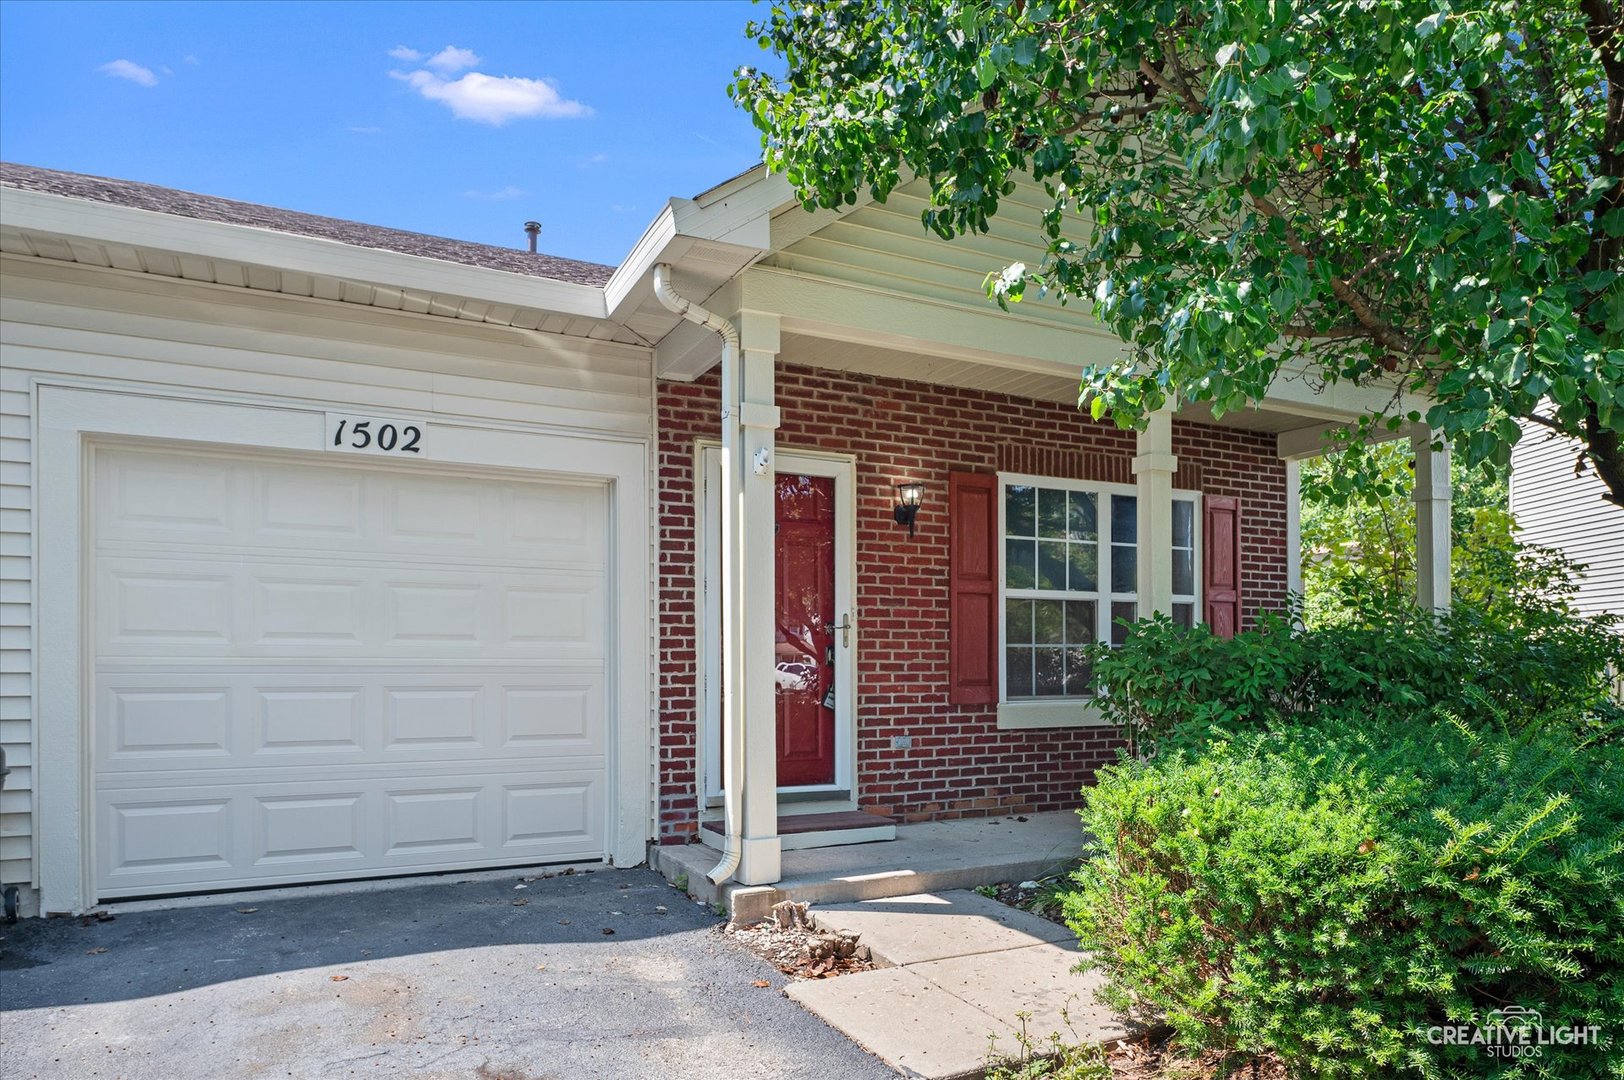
x,y
732,595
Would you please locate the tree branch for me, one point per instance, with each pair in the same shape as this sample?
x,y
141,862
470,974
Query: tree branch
x,y
1380,331
1295,330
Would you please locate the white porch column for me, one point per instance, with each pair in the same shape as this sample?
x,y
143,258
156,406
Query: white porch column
x,y
1153,469
760,851
1294,527
1432,527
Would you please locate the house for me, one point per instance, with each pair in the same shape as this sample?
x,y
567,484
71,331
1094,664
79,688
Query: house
x,y
1558,507
333,552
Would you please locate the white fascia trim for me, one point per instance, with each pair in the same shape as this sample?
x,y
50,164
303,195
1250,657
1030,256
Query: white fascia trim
x,y
110,223
737,214
651,248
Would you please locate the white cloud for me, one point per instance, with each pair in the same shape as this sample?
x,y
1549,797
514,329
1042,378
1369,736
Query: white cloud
x,y
499,195
595,159
367,130
190,59
493,99
406,53
128,69
451,60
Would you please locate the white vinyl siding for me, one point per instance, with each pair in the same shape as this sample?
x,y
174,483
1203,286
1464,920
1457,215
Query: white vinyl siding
x,y
1558,509
139,333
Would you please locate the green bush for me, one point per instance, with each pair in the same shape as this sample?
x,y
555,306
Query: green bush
x,y
1330,892
1537,664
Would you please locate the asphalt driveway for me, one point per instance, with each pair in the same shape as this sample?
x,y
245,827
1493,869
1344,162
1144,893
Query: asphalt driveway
x,y
447,979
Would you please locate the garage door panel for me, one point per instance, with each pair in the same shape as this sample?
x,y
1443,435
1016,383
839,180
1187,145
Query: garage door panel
x,y
321,720
443,512
226,835
178,722
437,717
319,506
224,605
151,605
314,608
168,837
318,670
154,722
309,828
228,500
566,811
179,498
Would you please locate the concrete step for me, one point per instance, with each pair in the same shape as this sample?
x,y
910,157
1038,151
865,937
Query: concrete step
x,y
800,831
927,857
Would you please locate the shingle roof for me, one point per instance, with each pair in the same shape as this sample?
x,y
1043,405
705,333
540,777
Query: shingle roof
x,y
209,208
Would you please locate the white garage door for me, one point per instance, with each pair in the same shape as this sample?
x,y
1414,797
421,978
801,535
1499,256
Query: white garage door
x,y
313,670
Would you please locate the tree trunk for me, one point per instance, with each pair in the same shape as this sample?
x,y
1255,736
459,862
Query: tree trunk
x,y
1606,453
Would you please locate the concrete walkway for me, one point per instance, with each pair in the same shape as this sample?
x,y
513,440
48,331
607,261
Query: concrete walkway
x,y
957,970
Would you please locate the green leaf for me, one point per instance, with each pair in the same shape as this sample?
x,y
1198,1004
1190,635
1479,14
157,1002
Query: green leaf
x,y
986,72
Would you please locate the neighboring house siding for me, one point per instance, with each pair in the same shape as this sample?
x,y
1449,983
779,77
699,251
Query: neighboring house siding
x,y
1559,510
960,764
144,333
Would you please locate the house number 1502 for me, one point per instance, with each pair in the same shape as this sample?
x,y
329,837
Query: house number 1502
x,y
374,435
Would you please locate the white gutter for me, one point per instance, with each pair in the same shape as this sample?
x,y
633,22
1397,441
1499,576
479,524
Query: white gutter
x,y
732,572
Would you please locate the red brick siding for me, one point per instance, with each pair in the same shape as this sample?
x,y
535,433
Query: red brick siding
x,y
960,764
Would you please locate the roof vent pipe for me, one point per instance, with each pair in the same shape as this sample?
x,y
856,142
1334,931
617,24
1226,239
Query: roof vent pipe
x,y
532,229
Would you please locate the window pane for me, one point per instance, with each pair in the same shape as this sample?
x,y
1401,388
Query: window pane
x,y
1020,564
1050,677
1048,626
1127,611
1051,513
1051,564
1183,523
1125,519
1018,672
1184,615
1124,568
1085,567
1085,524
1018,511
1080,622
1183,572
1079,673
1018,622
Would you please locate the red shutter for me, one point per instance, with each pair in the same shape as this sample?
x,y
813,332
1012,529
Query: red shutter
x,y
1221,574
972,583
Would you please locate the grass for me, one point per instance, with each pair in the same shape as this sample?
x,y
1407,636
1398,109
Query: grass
x,y
1047,1059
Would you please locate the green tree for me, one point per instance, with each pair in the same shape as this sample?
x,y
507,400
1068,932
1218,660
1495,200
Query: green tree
x,y
1392,192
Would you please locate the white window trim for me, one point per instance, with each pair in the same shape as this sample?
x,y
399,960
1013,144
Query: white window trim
x,y
1057,712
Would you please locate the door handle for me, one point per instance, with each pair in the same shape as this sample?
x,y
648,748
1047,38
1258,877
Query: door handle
x,y
845,626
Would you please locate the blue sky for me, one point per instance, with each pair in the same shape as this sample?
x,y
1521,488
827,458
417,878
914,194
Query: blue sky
x,y
459,119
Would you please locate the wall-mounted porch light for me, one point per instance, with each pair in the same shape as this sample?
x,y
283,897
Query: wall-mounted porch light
x,y
909,495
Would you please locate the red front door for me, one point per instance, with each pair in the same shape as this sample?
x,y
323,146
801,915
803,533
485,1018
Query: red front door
x,y
805,670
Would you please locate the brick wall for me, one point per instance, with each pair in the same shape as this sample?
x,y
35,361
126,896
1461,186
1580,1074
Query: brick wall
x,y
960,764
